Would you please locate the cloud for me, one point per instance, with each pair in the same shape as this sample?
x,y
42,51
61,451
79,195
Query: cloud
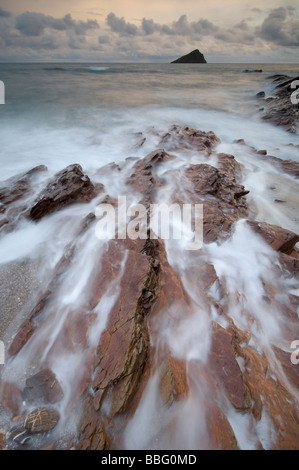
x,y
149,27
29,34
34,24
280,27
4,14
119,25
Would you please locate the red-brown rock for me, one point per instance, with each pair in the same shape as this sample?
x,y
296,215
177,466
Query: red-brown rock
x,y
68,186
43,386
10,397
226,369
24,334
173,380
41,420
277,237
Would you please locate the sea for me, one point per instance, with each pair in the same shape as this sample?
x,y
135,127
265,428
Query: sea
x,y
94,114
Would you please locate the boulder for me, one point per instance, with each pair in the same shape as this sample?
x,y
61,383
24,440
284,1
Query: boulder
x,y
41,420
43,386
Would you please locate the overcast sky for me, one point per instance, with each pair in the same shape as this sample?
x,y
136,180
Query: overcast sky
x,y
149,30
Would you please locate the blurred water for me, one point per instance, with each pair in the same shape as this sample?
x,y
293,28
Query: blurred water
x,y
93,114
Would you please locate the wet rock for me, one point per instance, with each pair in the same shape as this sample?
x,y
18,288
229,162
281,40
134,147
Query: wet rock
x,y
20,436
205,178
43,386
269,397
15,188
68,186
24,334
41,420
289,265
123,347
2,439
227,204
10,397
221,432
252,71
279,109
173,380
277,237
3,221
92,432
225,368
180,137
143,177
291,370
261,94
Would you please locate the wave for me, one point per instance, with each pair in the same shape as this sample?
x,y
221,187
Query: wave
x,y
55,69
96,69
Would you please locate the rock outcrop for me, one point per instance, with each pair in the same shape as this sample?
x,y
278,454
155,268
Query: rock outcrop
x,y
194,57
119,329
279,109
68,186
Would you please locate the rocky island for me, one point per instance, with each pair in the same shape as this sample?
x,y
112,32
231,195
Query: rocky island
x,y
194,57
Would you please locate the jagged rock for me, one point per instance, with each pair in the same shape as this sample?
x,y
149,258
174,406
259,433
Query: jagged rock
x,y
279,109
228,203
180,137
143,178
194,57
25,332
68,186
41,420
277,237
43,386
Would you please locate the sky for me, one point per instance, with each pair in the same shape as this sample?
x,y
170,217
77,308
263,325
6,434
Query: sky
x,y
255,31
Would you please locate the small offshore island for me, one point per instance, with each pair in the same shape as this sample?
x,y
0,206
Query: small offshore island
x,y
194,57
